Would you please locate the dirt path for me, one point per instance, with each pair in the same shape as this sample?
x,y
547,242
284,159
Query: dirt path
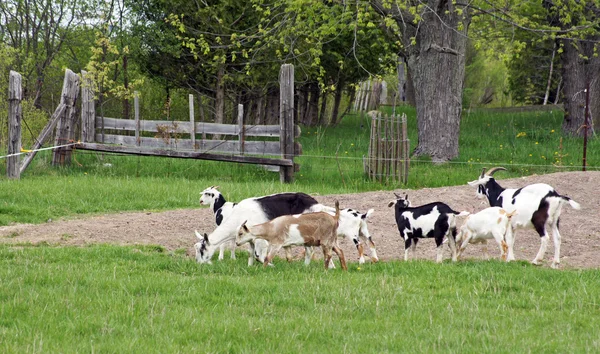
x,y
580,230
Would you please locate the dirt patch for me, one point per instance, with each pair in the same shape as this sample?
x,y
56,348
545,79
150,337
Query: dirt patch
x,y
580,229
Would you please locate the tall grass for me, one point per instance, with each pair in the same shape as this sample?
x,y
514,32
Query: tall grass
x,y
122,299
331,162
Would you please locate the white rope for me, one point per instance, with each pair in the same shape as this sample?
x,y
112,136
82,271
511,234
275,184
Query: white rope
x,y
41,149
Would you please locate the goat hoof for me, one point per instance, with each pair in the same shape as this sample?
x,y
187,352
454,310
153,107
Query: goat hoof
x,y
555,265
536,262
361,260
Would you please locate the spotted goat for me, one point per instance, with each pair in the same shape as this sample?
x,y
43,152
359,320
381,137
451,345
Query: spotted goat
x,y
434,220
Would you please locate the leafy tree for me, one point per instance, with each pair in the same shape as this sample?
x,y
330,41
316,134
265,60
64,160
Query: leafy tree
x,y
434,42
37,30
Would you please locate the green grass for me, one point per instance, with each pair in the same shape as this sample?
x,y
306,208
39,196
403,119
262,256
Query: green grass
x,y
525,143
142,299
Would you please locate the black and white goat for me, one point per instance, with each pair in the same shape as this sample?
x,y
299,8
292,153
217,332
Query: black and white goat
x,y
254,211
353,225
221,209
537,206
434,220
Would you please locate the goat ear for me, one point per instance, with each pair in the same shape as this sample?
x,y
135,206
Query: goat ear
x,y
391,204
473,183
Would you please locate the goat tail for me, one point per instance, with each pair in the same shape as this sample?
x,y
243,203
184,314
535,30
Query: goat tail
x,y
571,202
337,211
511,214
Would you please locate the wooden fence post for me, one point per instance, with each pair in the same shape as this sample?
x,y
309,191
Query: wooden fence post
x,y
286,120
365,99
405,148
65,130
192,121
15,95
88,109
240,119
136,108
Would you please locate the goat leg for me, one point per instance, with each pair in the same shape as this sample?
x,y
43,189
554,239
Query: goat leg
x,y
341,256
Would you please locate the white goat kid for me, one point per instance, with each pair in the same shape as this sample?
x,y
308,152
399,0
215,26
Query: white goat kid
x,y
490,223
221,209
353,225
538,206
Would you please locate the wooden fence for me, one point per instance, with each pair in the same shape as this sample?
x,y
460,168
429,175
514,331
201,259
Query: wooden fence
x,y
388,158
272,145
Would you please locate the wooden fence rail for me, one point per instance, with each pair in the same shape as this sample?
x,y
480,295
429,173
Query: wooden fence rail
x,y
271,145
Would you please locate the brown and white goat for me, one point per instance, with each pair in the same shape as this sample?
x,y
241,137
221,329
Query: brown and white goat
x,y
308,230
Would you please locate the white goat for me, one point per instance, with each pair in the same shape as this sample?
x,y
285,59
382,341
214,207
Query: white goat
x,y
490,223
538,206
222,209
308,230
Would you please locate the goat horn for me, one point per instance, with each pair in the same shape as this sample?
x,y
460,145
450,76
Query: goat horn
x,y
482,172
397,196
493,170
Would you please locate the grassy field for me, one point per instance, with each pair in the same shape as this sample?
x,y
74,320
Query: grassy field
x,y
122,299
143,299
525,143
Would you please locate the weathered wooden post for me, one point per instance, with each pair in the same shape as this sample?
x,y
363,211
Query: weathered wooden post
x,y
240,119
15,95
405,148
88,109
65,130
367,94
286,120
136,109
192,122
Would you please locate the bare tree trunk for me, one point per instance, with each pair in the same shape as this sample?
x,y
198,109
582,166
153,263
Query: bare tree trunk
x,y
272,106
436,64
409,89
312,112
304,104
337,100
547,94
126,86
220,99
577,71
323,109
260,106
